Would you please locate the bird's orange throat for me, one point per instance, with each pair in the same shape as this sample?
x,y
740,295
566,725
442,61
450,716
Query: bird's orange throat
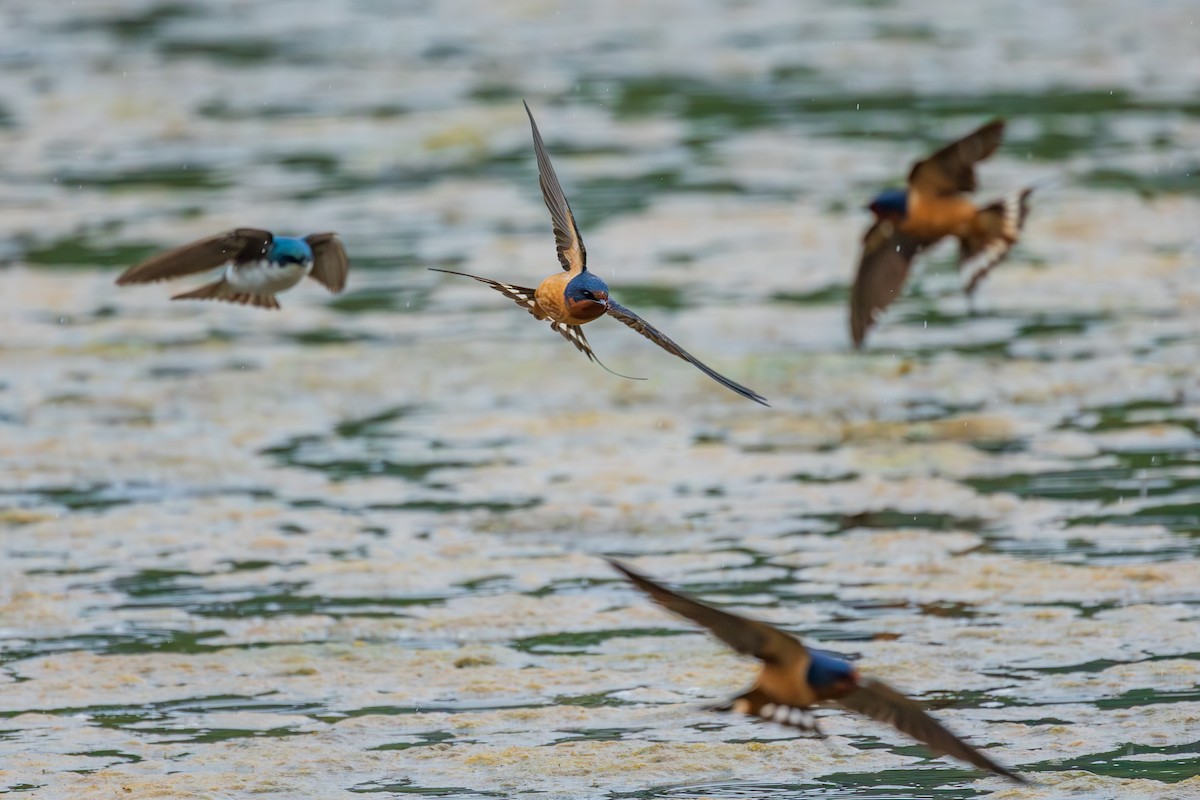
x,y
842,688
581,311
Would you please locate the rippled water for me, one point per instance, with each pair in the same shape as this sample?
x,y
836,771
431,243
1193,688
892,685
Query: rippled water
x,y
351,547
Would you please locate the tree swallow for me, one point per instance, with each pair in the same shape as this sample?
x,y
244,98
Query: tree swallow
x,y
258,265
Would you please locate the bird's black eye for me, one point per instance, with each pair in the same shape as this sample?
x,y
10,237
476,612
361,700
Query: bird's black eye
x,y
588,295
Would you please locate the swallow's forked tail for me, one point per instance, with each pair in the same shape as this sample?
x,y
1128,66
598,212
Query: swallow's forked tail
x,y
996,230
602,366
221,290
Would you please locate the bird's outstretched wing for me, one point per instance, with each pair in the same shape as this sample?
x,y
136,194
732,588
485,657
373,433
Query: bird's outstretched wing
x,y
240,246
952,169
886,257
571,252
618,311
521,295
747,636
883,703
526,299
330,262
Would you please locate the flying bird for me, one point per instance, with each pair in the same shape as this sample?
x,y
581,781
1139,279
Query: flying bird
x,y
576,296
935,205
795,678
258,265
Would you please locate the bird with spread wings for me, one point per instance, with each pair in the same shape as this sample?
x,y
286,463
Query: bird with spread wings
x,y
934,205
794,678
575,296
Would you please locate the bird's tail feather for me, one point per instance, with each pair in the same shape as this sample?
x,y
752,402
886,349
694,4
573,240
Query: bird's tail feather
x,y
222,290
997,228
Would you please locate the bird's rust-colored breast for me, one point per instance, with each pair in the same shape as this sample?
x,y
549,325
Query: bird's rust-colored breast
x,y
550,297
787,684
931,217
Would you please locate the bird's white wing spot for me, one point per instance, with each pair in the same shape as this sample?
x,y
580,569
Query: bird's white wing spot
x,y
516,294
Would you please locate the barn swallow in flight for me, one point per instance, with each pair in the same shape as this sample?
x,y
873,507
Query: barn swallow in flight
x,y
575,296
794,679
933,206
258,265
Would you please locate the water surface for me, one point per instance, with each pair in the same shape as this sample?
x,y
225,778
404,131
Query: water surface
x,y
351,548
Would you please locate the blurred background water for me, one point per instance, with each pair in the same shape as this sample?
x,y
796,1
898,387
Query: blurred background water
x,y
350,547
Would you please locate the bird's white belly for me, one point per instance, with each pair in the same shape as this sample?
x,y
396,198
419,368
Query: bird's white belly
x,y
265,277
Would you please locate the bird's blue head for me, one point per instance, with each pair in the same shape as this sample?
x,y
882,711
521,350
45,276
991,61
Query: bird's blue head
x,y
830,675
586,296
287,250
890,204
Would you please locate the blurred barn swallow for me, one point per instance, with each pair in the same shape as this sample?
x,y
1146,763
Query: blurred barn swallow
x,y
933,206
258,265
575,296
794,678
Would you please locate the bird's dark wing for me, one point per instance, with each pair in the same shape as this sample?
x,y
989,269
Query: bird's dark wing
x,y
881,702
886,257
952,169
571,252
240,246
521,295
330,262
747,636
618,311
